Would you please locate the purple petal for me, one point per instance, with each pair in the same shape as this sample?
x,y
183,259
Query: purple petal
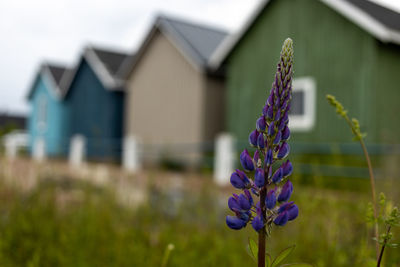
x,y
259,178
293,212
253,138
234,222
286,192
281,219
270,200
257,223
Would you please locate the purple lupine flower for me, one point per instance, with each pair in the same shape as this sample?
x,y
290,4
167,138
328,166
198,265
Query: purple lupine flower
x,y
270,143
239,180
277,138
283,150
270,199
286,192
285,133
246,160
277,177
235,223
260,124
287,168
258,222
261,141
281,219
290,209
253,138
269,157
259,178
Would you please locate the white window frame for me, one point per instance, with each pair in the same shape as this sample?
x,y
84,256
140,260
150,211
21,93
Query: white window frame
x,y
305,122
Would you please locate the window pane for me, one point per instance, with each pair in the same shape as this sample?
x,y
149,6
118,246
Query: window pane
x,y
297,103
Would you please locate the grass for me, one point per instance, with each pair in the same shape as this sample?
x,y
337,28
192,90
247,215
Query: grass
x,y
69,222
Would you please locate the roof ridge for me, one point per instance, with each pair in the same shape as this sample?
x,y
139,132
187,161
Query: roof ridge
x,y
201,25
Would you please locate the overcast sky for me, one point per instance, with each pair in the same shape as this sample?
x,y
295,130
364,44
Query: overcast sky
x,y
57,30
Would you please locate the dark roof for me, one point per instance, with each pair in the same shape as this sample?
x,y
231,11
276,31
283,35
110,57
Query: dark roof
x,y
197,40
388,17
111,60
56,74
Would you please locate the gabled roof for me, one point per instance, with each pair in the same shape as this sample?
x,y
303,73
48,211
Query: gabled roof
x,y
53,75
196,42
107,64
380,22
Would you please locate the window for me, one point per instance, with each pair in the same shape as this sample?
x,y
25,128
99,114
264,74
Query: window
x,y
42,113
302,112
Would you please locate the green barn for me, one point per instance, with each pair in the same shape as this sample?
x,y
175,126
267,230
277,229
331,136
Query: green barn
x,y
348,48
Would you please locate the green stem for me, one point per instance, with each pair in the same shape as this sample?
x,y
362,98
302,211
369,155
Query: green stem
x,y
372,181
383,248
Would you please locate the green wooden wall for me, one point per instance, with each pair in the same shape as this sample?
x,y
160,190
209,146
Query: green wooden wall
x,y
345,61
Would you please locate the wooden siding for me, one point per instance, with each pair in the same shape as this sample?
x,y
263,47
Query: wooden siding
x,y
96,113
165,97
54,132
344,60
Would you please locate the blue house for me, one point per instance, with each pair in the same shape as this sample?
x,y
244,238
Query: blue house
x,y
47,120
95,102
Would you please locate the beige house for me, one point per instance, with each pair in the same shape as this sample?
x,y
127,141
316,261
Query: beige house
x,y
174,103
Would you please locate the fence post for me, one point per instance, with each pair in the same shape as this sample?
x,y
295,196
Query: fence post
x,y
11,147
77,152
224,158
39,149
130,154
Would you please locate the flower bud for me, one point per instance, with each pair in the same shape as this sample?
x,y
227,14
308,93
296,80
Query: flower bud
x,y
277,138
257,223
278,175
243,202
278,115
270,112
259,178
260,141
253,138
235,223
281,219
270,200
287,168
233,204
283,151
269,157
249,197
256,157
285,133
246,161
261,124
293,212
239,179
286,192
271,129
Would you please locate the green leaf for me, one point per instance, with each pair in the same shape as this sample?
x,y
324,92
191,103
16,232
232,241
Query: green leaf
x,y
268,260
250,254
296,265
282,255
253,248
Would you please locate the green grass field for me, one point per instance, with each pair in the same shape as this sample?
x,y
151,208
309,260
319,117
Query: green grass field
x,y
67,222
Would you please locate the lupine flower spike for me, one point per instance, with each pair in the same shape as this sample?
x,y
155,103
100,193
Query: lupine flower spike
x,y
263,175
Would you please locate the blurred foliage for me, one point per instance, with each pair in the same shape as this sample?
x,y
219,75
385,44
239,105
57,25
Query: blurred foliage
x,y
64,222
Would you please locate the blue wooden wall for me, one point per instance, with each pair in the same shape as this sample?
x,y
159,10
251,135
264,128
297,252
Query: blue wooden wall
x,y
96,113
54,130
